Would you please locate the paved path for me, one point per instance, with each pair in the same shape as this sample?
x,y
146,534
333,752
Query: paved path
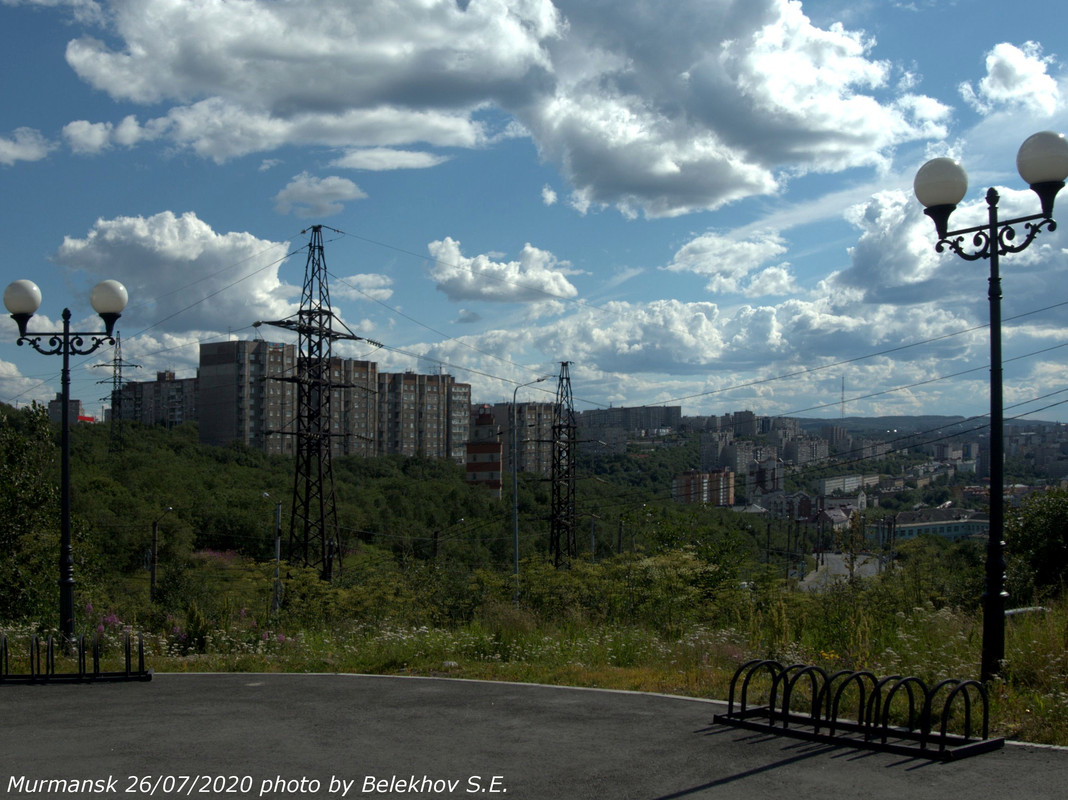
x,y
835,567
381,737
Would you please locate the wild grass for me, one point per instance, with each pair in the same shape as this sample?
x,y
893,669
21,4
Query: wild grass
x,y
562,636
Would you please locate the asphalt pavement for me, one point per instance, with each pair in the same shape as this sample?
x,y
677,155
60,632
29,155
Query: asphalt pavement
x,y
835,567
357,736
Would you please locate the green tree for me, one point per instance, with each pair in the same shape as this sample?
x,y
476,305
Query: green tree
x,y
29,515
1036,537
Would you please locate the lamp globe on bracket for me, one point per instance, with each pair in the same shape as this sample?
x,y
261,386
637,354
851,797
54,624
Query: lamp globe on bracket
x,y
108,299
22,298
1043,163
940,185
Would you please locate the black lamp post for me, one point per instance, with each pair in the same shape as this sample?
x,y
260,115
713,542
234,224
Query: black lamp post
x,y
155,555
515,486
940,185
22,299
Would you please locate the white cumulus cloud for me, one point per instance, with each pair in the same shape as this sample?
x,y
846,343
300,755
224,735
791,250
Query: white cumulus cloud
x,y
366,286
727,261
656,114
308,196
87,137
1015,77
386,158
535,277
181,274
25,145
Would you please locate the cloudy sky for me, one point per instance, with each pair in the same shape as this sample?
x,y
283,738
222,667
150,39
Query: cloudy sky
x,y
703,203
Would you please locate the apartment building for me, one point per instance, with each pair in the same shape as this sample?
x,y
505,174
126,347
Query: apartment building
x,y
167,401
805,450
248,393
713,443
485,452
423,415
739,454
949,523
712,488
641,420
354,405
75,411
766,475
845,484
534,436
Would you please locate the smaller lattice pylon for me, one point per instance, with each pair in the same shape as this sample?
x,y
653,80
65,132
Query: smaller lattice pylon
x,y
562,542
115,426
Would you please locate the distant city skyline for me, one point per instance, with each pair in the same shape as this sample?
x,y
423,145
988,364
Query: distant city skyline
x,y
708,207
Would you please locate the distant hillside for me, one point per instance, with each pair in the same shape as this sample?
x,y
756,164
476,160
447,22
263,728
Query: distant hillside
x,y
879,426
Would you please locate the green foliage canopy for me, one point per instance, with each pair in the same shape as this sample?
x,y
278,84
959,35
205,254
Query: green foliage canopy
x,y
29,515
1036,537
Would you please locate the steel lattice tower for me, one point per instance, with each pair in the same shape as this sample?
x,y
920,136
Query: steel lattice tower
x,y
562,523
313,529
115,427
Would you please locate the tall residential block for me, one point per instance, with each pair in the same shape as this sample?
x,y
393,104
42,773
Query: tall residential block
x,y
484,452
715,487
423,415
641,420
75,411
248,394
167,401
533,436
244,396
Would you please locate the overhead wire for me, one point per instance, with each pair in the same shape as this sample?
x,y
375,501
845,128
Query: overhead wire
x,y
460,342
485,374
855,359
749,384
857,457
186,308
480,526
480,273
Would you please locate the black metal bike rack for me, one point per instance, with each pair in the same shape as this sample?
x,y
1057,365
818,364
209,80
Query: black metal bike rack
x,y
42,662
922,735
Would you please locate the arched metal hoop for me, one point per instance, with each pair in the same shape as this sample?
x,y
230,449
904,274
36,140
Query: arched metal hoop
x,y
42,662
832,716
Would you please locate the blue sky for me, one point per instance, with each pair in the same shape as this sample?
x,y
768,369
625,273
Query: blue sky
x,y
703,203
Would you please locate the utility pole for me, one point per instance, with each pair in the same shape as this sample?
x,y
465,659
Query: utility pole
x,y
562,544
276,602
313,529
154,564
115,426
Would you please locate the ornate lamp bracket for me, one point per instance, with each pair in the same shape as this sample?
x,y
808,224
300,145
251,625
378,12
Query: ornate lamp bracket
x,y
73,342
997,237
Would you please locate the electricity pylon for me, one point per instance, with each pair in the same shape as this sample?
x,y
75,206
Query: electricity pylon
x,y
562,523
314,538
115,426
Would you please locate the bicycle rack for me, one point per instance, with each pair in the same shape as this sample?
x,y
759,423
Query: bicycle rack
x,y
44,671
923,734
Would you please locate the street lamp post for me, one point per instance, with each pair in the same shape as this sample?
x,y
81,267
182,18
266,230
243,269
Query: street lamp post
x,y
155,555
940,185
515,485
22,299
